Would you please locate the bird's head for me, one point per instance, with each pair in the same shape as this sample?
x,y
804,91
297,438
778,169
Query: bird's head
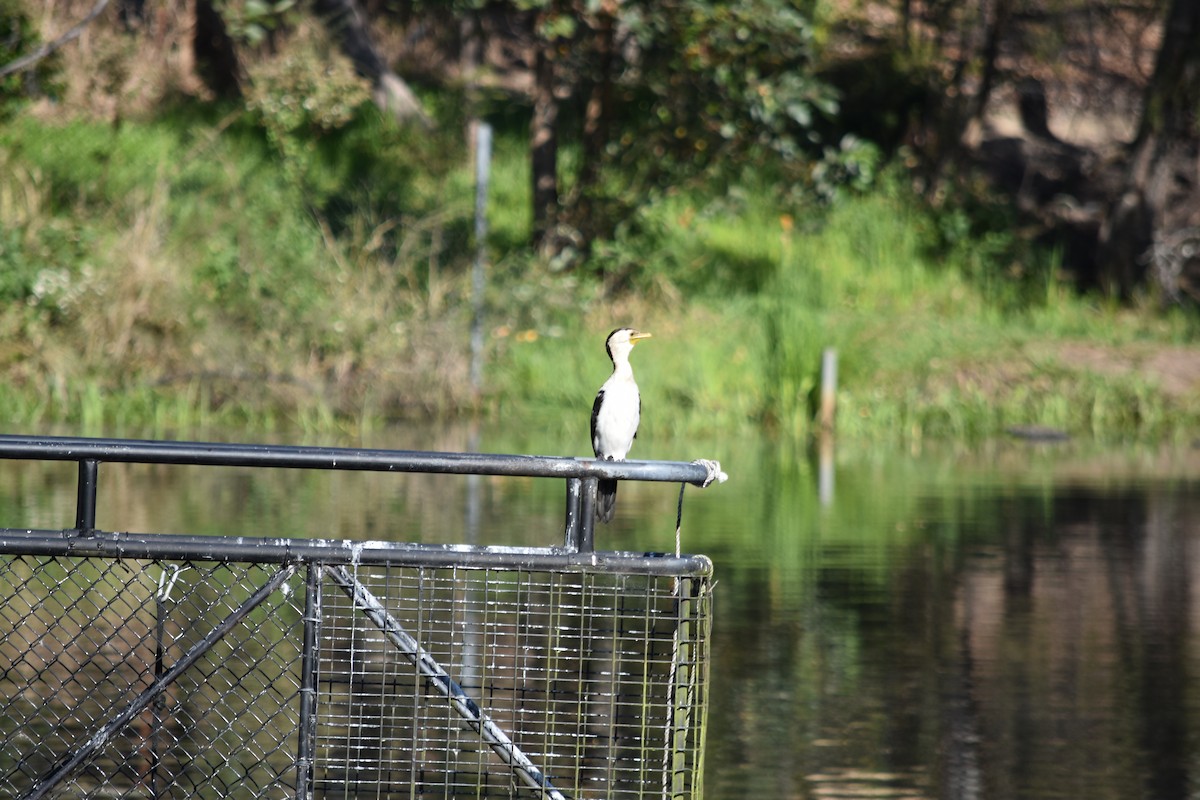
x,y
621,341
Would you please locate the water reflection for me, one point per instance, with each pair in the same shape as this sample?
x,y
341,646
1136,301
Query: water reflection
x,y
973,633
1011,624
1076,635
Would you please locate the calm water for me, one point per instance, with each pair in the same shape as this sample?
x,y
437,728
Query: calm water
x,y
1011,623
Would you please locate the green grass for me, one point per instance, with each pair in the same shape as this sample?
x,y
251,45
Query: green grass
x,y
180,274
929,347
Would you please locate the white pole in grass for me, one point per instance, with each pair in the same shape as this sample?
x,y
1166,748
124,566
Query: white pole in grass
x,y
829,379
483,165
828,421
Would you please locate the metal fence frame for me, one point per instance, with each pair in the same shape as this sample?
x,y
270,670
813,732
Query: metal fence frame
x,y
324,561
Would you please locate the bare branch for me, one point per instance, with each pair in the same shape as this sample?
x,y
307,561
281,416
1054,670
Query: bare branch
x,y
27,61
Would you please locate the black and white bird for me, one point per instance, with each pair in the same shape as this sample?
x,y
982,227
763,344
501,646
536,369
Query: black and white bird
x,y
616,413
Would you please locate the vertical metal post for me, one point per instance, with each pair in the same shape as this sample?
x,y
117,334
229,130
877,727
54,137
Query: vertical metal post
x,y
827,419
85,499
483,162
474,490
309,672
829,379
573,515
587,516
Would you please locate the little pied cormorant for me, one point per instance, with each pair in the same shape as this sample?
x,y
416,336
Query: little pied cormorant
x,y
615,414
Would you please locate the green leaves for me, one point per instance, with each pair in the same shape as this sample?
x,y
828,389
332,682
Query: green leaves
x,y
252,20
707,90
751,65
851,165
19,37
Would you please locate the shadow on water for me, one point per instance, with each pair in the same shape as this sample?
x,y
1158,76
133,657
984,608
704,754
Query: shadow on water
x,y
1012,623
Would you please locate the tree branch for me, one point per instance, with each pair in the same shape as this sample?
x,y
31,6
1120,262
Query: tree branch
x,y
27,61
346,21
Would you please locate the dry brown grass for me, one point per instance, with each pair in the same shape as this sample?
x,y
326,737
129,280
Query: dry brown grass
x,y
140,296
379,331
109,72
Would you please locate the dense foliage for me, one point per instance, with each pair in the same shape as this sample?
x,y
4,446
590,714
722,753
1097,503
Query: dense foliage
x,y
19,37
723,84
292,253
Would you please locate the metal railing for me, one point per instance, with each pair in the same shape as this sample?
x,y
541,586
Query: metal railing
x,y
166,665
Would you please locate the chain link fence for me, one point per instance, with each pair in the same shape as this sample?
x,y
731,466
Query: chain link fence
x,y
185,677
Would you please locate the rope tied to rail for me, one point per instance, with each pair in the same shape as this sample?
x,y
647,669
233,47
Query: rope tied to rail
x,y
713,469
713,474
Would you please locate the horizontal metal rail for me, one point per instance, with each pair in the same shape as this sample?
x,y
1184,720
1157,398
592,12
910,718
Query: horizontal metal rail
x,y
582,475
331,551
55,448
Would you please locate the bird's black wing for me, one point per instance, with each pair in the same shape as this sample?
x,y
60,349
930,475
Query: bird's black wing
x,y
596,413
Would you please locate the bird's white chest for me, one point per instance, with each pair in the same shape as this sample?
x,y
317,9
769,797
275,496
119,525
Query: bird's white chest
x,y
617,418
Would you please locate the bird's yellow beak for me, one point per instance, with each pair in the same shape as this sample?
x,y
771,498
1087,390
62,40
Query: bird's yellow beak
x,y
633,337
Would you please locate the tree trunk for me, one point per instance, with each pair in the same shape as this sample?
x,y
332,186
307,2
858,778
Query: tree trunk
x,y
596,118
214,51
346,22
132,14
1160,198
996,29
544,145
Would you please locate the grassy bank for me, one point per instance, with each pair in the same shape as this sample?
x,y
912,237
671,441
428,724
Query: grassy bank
x,y
960,339
192,273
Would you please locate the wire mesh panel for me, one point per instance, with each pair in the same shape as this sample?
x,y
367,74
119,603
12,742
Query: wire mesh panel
x,y
186,677
588,674
85,639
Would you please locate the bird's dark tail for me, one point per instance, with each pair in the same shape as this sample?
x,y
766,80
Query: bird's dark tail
x,y
606,499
